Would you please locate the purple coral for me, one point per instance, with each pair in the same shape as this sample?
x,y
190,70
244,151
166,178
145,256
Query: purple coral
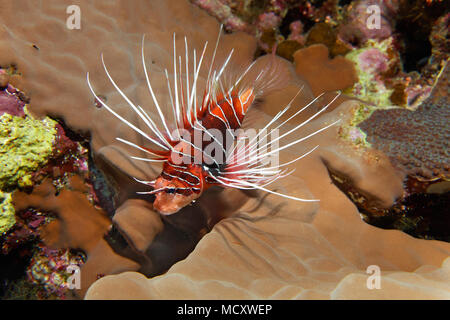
x,y
417,142
223,13
356,30
373,60
25,229
297,28
49,269
268,21
10,102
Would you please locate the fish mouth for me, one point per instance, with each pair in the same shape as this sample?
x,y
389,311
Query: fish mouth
x,y
168,203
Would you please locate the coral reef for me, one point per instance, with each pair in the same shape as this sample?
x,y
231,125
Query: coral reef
x,y
229,244
57,157
381,80
12,101
417,142
322,73
42,76
76,224
372,62
276,23
48,269
355,30
30,150
275,249
26,145
223,12
350,131
343,29
7,218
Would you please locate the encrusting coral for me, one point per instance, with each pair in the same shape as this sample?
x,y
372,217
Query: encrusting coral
x,y
77,224
417,142
231,244
12,101
65,98
26,145
7,218
371,62
356,31
48,268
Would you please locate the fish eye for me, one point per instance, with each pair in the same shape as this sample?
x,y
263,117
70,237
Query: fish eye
x,y
213,169
170,190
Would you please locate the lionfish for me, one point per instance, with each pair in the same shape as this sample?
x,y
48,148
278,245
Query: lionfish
x,y
222,110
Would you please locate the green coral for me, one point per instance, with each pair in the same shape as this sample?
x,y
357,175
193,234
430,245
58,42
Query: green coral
x,y
7,212
361,113
25,146
370,87
350,130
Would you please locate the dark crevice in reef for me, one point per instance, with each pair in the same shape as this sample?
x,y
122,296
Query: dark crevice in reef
x,y
297,11
13,267
180,234
414,22
249,10
123,246
163,255
19,244
170,246
291,16
83,138
101,187
343,3
422,212
100,183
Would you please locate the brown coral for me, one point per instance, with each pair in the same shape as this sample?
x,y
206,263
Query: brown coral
x,y
55,75
269,248
324,74
78,223
280,249
417,142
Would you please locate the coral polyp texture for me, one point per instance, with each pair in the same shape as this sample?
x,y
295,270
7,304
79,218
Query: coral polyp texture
x,y
7,213
418,142
69,190
26,145
48,269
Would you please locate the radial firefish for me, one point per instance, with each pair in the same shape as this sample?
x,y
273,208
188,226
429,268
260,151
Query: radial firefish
x,y
190,168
